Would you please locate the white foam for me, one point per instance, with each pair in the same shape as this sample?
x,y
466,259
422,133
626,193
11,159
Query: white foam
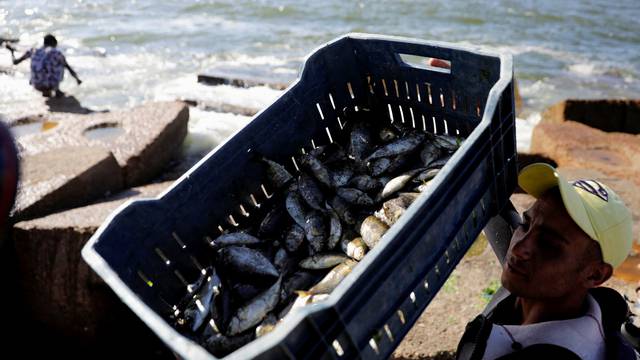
x,y
585,69
187,87
524,130
207,129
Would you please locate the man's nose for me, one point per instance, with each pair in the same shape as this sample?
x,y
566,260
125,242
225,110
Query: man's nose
x,y
522,247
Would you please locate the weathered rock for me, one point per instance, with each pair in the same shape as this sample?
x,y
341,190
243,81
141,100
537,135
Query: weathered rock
x,y
60,290
63,178
576,145
142,139
607,115
213,78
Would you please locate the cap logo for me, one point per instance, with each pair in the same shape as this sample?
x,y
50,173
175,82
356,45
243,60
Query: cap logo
x,y
592,187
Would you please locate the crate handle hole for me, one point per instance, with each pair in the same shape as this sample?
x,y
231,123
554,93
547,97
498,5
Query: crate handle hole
x,y
390,113
426,63
401,316
418,92
446,126
441,99
401,113
412,297
395,84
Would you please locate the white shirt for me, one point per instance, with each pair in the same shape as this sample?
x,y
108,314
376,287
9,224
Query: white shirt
x,y
583,335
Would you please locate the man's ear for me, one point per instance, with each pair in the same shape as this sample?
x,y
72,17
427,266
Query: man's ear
x,y
598,273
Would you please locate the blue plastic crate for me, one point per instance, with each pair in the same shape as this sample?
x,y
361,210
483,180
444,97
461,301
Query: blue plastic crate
x,y
148,248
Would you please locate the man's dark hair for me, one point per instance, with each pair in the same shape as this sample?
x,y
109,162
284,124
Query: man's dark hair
x,y
50,40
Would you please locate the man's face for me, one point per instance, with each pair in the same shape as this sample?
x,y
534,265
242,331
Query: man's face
x,y
547,253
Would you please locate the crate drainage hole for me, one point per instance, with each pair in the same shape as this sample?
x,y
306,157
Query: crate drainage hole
x,y
31,127
337,348
106,131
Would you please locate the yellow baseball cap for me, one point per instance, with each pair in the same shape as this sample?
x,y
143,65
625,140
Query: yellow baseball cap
x,y
592,205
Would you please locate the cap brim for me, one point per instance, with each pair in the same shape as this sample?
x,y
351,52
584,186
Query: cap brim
x,y
536,179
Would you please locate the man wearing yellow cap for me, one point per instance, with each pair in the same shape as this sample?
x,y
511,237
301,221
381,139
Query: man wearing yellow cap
x,y
551,304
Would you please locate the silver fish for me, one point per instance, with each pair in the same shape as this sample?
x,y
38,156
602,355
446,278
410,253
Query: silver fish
x,y
276,173
245,292
295,237
315,232
235,238
430,153
335,228
295,207
439,163
310,192
426,175
387,134
396,184
372,230
322,261
252,313
319,171
360,141
267,325
306,298
397,163
341,176
220,345
333,278
298,281
282,261
247,263
401,146
446,142
364,183
343,210
273,221
355,248
379,166
198,308
354,196
394,208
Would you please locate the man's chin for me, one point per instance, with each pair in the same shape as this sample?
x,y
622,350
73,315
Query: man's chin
x,y
512,283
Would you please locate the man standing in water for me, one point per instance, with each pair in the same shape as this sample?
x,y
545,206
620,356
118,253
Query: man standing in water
x,y
47,67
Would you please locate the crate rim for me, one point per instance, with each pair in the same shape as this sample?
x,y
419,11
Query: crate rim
x,y
188,349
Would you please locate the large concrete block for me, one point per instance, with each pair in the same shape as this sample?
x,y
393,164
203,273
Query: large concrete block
x,y
63,178
576,145
62,294
608,115
142,139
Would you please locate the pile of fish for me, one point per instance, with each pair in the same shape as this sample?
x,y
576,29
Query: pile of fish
x,y
322,220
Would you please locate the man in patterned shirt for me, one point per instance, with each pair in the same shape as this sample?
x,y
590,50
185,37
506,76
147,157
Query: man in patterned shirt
x,y
47,66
